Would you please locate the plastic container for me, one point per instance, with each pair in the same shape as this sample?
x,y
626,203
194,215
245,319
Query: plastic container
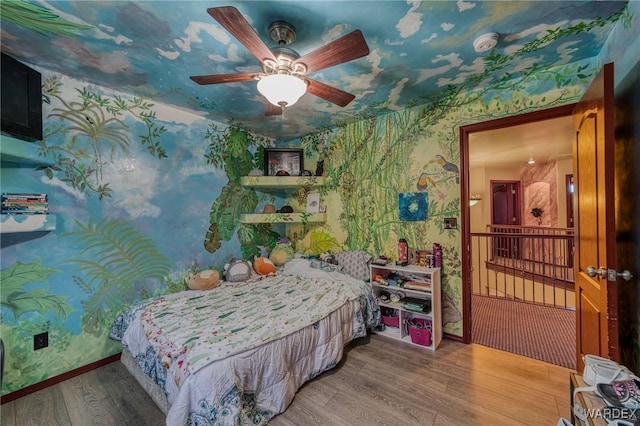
x,y
437,255
420,331
390,317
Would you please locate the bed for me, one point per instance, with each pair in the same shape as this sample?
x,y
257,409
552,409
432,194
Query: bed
x,y
237,354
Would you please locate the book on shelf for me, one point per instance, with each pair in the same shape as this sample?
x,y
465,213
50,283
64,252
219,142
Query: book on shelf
x,y
417,285
24,203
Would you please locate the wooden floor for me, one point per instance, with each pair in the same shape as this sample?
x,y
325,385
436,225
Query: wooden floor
x,y
379,382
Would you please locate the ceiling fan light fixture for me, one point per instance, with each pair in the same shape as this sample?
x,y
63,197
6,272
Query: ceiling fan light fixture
x,y
485,42
282,90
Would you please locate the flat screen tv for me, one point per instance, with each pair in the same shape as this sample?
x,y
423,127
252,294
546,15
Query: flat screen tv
x,y
21,105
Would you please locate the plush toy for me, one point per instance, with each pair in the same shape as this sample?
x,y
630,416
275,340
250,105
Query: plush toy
x,y
205,280
237,270
282,252
264,266
328,257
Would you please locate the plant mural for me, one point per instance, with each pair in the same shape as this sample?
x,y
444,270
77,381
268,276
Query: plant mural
x,y
119,262
111,262
230,149
22,303
93,132
19,302
417,149
39,19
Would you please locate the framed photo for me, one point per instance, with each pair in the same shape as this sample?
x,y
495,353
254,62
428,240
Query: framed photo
x,y
313,202
283,160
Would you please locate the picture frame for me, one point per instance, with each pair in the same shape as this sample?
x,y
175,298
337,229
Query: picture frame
x,y
313,202
289,160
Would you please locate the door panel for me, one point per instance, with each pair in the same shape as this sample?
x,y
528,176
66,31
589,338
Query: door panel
x,y
505,210
596,297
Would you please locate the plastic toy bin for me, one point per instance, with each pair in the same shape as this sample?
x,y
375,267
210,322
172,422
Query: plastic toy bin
x,y
420,331
390,317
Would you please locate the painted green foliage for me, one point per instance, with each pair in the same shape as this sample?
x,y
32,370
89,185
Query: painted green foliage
x,y
94,131
374,159
119,260
38,18
230,149
18,301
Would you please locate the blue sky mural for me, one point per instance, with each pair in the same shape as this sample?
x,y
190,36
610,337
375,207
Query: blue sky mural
x,y
417,49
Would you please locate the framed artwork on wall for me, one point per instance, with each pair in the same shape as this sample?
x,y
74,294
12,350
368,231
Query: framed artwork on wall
x,y
283,161
412,206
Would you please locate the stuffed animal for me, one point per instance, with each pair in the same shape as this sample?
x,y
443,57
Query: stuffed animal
x,y
264,266
282,252
204,280
237,270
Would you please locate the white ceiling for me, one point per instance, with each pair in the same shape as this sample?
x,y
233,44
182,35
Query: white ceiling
x,y
514,146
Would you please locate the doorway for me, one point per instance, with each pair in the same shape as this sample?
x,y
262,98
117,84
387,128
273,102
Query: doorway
x,y
506,195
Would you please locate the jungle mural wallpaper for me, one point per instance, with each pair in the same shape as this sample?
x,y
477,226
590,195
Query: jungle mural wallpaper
x,y
144,193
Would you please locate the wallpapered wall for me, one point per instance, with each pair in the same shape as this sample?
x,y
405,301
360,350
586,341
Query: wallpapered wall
x,y
144,192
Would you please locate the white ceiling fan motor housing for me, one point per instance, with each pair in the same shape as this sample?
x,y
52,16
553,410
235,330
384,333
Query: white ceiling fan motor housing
x,y
485,42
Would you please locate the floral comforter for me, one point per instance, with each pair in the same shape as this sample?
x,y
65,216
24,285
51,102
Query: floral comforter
x,y
237,354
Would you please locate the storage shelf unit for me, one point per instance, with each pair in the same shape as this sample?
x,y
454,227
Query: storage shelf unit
x,y
21,152
410,273
282,184
283,218
16,223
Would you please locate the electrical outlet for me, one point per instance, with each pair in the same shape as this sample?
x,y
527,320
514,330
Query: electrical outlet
x,y
40,340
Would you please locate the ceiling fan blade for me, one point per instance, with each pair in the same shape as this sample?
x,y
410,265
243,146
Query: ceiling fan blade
x,y
346,48
239,27
223,78
328,93
272,109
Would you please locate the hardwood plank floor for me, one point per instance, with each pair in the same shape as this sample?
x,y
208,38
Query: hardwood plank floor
x,y
380,382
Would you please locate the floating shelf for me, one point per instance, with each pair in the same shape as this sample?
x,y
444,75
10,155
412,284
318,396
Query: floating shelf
x,y
283,218
14,150
25,223
282,182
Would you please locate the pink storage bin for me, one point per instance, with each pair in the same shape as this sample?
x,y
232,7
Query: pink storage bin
x,y
390,317
420,331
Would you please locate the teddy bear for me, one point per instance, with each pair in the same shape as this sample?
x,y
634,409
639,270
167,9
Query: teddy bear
x,y
204,280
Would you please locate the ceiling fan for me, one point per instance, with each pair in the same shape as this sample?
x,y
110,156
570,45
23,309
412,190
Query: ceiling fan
x,y
283,78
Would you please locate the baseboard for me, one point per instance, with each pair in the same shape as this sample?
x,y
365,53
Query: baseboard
x,y
453,337
57,379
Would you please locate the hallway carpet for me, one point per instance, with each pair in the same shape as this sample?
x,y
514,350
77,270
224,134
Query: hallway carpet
x,y
539,332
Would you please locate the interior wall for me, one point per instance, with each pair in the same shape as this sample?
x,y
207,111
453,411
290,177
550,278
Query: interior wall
x,y
108,186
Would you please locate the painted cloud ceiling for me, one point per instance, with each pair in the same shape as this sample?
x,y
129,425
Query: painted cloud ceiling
x,y
417,49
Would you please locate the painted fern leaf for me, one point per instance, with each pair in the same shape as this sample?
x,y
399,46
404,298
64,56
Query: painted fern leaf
x,y
18,301
118,257
119,253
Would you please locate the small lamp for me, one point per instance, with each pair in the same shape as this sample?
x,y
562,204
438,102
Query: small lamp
x,y
282,90
473,200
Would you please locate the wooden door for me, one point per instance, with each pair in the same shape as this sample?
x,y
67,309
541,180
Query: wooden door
x,y
505,210
596,296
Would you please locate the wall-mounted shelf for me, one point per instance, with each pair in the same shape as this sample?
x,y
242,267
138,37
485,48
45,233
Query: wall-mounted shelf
x,y
26,223
21,152
283,218
282,182
278,184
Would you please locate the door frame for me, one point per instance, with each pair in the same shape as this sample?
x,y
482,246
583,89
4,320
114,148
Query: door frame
x,y
531,117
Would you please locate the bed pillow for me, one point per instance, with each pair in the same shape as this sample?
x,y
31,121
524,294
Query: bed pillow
x,y
354,263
